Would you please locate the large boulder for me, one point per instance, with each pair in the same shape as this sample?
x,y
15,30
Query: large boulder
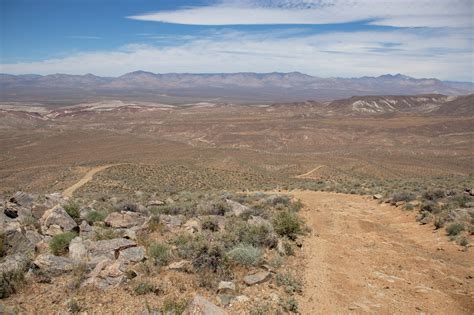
x,y
54,265
106,273
124,219
257,277
236,208
16,242
54,218
131,255
22,199
109,248
200,306
172,222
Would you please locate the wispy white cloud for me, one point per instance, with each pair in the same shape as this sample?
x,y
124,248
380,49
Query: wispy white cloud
x,y
400,13
417,53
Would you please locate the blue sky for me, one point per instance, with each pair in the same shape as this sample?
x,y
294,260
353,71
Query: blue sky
x,y
347,38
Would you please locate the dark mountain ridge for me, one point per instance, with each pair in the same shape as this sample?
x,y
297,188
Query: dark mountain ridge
x,y
235,87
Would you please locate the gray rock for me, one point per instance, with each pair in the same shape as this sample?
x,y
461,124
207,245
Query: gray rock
x,y
377,196
132,254
84,227
55,199
155,203
14,262
226,287
172,222
200,306
109,248
225,299
22,199
237,208
256,220
77,250
257,278
183,266
59,217
34,237
16,242
55,265
124,219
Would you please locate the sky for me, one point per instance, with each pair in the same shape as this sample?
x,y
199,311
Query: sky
x,y
326,38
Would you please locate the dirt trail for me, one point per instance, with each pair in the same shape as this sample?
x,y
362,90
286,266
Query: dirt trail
x,y
68,192
364,257
310,172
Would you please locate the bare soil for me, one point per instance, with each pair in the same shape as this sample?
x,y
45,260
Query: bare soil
x,y
369,258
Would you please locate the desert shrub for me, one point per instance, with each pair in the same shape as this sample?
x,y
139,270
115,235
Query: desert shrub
x,y
288,248
174,306
454,229
211,257
278,199
79,275
290,304
296,206
154,223
403,196
10,282
73,306
288,224
409,207
439,222
434,194
59,243
463,241
210,224
105,234
459,201
160,253
213,207
276,261
264,308
73,210
187,246
127,206
184,208
290,282
2,241
245,255
95,216
256,235
429,206
145,288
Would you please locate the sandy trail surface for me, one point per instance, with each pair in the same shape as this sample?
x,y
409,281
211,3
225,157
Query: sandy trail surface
x,y
68,192
368,258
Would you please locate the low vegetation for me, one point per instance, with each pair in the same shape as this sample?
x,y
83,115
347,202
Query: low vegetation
x,y
59,243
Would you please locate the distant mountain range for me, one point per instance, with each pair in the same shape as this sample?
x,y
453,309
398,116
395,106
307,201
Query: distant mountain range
x,y
220,87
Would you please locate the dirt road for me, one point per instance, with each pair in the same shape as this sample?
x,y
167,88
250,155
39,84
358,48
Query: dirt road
x,y
363,257
68,192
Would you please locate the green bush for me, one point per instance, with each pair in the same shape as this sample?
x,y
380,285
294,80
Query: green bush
x,y
210,257
290,282
59,243
9,282
160,253
288,224
95,216
145,288
105,234
174,306
402,196
434,195
256,235
210,224
245,255
454,229
290,305
72,209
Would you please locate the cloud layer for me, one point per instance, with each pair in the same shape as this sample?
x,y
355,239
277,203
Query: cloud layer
x,y
347,54
399,13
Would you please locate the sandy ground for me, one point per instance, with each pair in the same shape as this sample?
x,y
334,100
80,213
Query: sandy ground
x,y
368,258
68,192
